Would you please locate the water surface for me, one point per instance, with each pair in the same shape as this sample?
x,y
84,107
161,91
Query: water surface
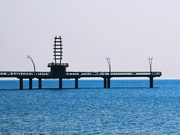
x,y
128,107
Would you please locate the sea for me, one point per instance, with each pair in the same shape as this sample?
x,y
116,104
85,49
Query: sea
x,y
129,107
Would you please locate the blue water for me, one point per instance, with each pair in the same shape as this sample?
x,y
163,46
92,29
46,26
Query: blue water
x,y
128,107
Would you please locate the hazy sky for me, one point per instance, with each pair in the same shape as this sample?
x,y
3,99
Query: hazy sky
x,y
127,31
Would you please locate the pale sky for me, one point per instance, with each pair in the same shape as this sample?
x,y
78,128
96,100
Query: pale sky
x,y
127,31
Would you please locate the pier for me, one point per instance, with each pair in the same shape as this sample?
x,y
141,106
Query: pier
x,y
58,71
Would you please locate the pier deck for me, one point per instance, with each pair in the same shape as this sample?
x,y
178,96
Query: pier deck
x,y
75,75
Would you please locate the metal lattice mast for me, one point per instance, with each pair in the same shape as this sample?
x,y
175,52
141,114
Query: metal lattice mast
x,y
58,50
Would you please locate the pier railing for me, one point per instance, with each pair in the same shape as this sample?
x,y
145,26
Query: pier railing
x,y
78,74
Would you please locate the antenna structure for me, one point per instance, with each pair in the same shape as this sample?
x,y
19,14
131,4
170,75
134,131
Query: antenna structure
x,y
58,50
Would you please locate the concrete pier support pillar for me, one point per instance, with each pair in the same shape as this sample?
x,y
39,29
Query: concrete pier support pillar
x,y
76,83
104,82
151,82
30,83
60,83
21,83
109,83
40,83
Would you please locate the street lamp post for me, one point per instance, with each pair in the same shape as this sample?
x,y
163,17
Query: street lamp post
x,y
28,56
109,63
150,64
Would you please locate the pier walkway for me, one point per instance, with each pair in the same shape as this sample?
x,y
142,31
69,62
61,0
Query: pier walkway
x,y
75,75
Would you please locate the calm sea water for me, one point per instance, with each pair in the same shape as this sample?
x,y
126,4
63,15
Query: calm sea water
x,y
129,107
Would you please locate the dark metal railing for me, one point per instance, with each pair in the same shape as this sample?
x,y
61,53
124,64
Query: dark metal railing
x,y
79,74
114,73
58,64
